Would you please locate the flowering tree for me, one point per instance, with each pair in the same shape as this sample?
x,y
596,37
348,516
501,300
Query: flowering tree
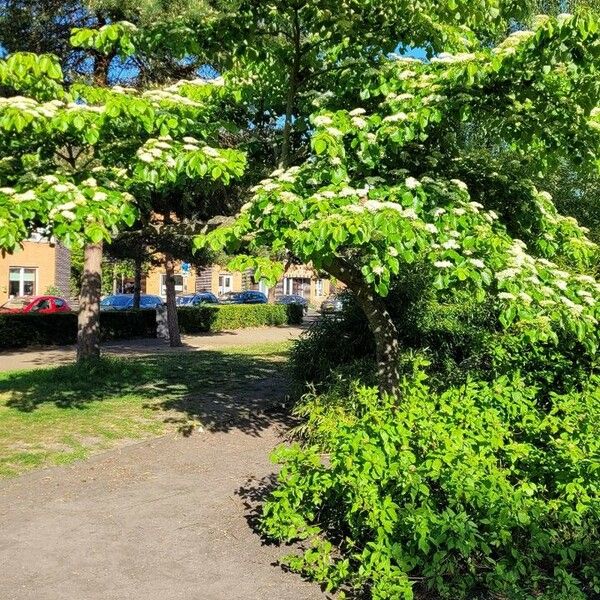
x,y
71,159
287,53
381,191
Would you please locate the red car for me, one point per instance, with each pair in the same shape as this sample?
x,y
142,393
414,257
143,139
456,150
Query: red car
x,y
36,304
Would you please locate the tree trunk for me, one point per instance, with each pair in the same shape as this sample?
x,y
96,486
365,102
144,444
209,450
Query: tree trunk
x,y
174,335
293,82
381,324
137,283
88,322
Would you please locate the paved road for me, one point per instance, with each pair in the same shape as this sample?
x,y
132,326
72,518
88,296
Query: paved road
x,y
160,520
31,359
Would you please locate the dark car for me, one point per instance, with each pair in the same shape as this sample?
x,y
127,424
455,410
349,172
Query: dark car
x,y
294,299
332,304
36,304
125,302
248,297
196,299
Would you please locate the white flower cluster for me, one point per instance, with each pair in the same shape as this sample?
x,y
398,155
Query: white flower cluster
x,y
448,58
397,117
160,96
31,107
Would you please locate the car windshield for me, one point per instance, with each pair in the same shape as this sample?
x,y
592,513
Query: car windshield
x,y
17,303
116,301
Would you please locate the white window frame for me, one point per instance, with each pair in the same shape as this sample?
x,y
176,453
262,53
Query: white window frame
x,y
263,287
223,286
320,287
22,280
179,289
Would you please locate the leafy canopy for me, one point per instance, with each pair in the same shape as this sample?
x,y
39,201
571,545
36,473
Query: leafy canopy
x,y
380,191
79,162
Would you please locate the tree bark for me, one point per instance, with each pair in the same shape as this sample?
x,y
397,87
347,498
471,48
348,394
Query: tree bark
x,y
88,321
137,283
293,82
381,324
173,325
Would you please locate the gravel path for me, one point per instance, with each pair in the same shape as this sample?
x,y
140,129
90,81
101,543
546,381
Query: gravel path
x,y
166,519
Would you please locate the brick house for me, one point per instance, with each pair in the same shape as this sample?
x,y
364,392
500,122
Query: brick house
x,y
298,279
38,267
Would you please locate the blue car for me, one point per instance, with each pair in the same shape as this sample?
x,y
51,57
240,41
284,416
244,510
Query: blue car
x,y
248,297
125,302
196,299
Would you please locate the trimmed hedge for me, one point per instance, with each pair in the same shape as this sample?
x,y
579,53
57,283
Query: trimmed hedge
x,y
60,329
22,330
202,319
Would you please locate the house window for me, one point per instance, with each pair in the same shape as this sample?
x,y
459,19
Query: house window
x,y
225,283
22,281
319,287
297,286
178,284
263,287
288,286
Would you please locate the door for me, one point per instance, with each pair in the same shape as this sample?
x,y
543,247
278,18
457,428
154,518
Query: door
x,y
225,283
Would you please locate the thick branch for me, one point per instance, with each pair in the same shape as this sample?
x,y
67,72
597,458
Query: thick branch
x,y
380,321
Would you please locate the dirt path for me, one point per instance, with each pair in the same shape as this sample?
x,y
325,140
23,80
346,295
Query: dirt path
x,y
48,357
159,520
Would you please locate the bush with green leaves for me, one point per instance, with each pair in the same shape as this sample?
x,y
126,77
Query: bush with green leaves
x,y
60,329
201,319
475,492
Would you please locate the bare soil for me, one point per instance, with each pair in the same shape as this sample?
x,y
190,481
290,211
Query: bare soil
x,y
167,519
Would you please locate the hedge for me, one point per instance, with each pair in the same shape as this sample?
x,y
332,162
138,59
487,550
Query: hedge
x,y
202,319
60,329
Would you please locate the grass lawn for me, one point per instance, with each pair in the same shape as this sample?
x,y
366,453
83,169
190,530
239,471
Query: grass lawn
x,y
58,415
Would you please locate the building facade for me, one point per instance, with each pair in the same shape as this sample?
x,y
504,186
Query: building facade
x,y
39,267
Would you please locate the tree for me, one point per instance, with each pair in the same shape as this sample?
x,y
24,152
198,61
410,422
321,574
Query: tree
x,y
289,54
70,158
379,192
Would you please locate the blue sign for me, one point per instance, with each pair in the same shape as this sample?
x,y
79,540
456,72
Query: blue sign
x,y
185,268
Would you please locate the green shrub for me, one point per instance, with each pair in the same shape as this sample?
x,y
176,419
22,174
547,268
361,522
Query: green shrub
x,y
22,330
60,329
206,318
127,324
475,492
454,333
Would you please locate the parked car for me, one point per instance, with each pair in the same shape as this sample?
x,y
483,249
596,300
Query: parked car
x,y
196,299
332,304
36,304
294,299
125,302
248,297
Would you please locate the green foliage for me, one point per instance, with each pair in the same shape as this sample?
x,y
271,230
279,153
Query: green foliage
x,y
83,162
25,330
202,319
379,194
473,492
